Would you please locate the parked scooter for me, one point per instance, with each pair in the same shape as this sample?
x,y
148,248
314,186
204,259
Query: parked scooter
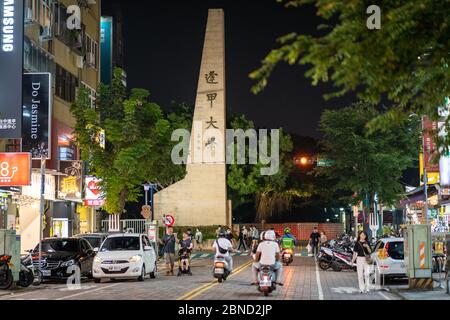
x,y
287,256
6,276
221,269
29,274
266,280
342,261
325,258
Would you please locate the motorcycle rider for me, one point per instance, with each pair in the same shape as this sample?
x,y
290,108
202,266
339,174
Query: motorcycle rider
x,y
288,240
268,254
222,244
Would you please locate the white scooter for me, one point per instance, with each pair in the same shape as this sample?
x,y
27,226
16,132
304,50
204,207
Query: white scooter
x,y
221,269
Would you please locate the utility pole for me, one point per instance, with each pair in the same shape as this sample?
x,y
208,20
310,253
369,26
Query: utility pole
x,y
425,177
41,211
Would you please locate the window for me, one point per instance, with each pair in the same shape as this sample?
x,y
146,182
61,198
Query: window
x,y
65,84
35,59
39,11
91,50
92,94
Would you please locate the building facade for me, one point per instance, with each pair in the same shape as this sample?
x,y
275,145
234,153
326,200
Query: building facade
x,y
72,56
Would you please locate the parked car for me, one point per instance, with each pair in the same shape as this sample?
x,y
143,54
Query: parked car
x,y
389,257
58,254
95,239
125,255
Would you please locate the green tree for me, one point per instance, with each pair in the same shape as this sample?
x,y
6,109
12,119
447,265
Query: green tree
x,y
404,61
138,142
367,162
271,194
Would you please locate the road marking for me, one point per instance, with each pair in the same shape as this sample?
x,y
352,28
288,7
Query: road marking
x,y
204,255
203,288
384,296
319,285
90,291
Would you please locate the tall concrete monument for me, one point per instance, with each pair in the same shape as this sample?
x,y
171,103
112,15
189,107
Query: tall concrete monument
x,y
201,197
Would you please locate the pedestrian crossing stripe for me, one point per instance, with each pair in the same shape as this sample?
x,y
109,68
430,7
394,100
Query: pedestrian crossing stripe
x,y
203,255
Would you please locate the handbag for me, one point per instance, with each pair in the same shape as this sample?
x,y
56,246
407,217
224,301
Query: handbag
x,y
369,259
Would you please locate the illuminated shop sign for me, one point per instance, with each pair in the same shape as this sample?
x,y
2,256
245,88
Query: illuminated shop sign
x,y
11,67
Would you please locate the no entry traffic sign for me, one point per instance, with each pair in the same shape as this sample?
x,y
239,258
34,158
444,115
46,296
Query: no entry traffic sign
x,y
168,220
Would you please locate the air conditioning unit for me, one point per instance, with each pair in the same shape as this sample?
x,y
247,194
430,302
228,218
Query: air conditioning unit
x,y
29,18
80,62
46,34
90,57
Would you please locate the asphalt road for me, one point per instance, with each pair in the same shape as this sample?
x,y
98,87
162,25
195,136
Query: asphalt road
x,y
303,280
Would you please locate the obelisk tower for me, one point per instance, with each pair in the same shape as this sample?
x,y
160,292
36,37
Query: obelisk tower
x,y
201,197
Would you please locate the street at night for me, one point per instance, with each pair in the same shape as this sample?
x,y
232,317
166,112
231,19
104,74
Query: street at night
x,y
222,158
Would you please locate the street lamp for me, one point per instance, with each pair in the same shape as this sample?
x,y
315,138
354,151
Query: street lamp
x,y
149,187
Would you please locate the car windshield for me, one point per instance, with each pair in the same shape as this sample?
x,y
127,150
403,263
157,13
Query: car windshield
x,y
396,250
120,244
59,245
94,241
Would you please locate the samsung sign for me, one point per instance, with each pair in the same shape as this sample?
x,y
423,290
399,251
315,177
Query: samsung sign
x,y
11,64
9,22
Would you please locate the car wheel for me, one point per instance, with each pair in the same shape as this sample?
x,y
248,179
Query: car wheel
x,y
142,276
97,280
153,273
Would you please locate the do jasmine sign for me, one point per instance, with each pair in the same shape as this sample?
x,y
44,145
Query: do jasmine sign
x,y
36,114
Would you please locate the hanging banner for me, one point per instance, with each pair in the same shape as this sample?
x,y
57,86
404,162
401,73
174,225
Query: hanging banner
x,y
15,169
11,68
70,185
93,195
431,161
36,114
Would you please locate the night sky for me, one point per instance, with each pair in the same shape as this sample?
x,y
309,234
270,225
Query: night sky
x,y
163,46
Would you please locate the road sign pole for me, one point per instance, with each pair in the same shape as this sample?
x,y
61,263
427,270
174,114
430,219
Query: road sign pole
x,y
41,211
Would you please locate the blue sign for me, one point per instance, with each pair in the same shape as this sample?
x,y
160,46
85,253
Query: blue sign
x,y
106,41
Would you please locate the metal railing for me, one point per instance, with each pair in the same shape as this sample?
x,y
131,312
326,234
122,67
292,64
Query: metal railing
x,y
127,225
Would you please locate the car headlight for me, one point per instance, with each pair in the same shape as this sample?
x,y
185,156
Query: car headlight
x,y
97,260
68,263
135,258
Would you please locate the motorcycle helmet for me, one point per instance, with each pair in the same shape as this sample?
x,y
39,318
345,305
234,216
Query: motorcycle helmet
x,y
287,230
269,235
222,234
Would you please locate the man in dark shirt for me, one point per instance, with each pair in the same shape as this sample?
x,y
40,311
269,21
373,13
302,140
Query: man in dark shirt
x,y
168,242
314,241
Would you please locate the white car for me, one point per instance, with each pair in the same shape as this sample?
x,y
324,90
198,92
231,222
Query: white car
x,y
124,255
389,257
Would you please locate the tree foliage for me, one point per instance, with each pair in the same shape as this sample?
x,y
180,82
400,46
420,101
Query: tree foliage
x,y
271,194
138,141
367,162
404,61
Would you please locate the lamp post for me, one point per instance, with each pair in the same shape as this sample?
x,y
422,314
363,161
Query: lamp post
x,y
149,187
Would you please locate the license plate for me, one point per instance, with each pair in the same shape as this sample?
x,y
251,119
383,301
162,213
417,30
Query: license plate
x,y
114,268
287,255
218,270
46,273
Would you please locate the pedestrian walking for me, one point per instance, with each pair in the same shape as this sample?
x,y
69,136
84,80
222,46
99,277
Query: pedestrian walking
x,y
190,234
255,237
241,240
199,239
168,242
323,238
361,254
314,239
